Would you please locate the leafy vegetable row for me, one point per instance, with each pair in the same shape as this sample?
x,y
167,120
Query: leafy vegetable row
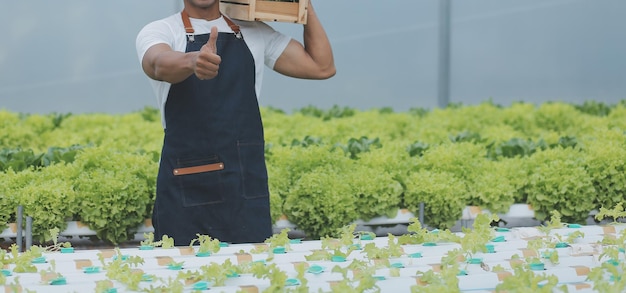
x,y
331,167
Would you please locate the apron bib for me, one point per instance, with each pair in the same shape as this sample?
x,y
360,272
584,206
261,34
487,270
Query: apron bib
x,y
212,176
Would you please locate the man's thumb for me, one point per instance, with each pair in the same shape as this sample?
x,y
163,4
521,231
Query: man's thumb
x,y
212,43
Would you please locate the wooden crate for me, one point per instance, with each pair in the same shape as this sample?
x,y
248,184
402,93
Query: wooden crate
x,y
261,10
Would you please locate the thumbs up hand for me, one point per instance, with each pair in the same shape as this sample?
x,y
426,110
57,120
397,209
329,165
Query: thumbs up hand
x,y
207,62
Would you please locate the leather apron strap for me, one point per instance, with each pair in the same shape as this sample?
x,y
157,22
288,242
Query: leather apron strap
x,y
190,31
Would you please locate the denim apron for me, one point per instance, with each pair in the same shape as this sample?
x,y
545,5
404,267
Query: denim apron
x,y
212,176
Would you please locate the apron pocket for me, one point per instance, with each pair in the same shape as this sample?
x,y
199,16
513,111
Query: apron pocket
x,y
253,170
200,180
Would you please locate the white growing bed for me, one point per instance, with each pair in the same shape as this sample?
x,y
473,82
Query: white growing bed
x,y
517,214
575,263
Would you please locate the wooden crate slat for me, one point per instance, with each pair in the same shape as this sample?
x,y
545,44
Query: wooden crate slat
x,y
286,8
277,11
238,1
302,15
294,12
237,11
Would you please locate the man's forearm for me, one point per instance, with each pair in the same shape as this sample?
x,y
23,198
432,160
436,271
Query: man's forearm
x,y
174,67
161,63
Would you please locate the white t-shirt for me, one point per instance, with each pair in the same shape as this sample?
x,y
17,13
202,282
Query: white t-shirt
x,y
264,43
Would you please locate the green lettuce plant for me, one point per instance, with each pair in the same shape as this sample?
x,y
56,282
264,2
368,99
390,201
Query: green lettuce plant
x,y
608,277
121,269
320,203
362,281
341,246
558,117
559,181
526,280
488,189
606,165
355,147
272,272
23,261
417,234
376,193
287,165
115,192
474,240
443,194
617,118
516,172
215,273
19,159
206,244
594,108
56,245
393,249
334,112
514,147
432,282
458,159
618,212
8,200
149,241
48,196
279,240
